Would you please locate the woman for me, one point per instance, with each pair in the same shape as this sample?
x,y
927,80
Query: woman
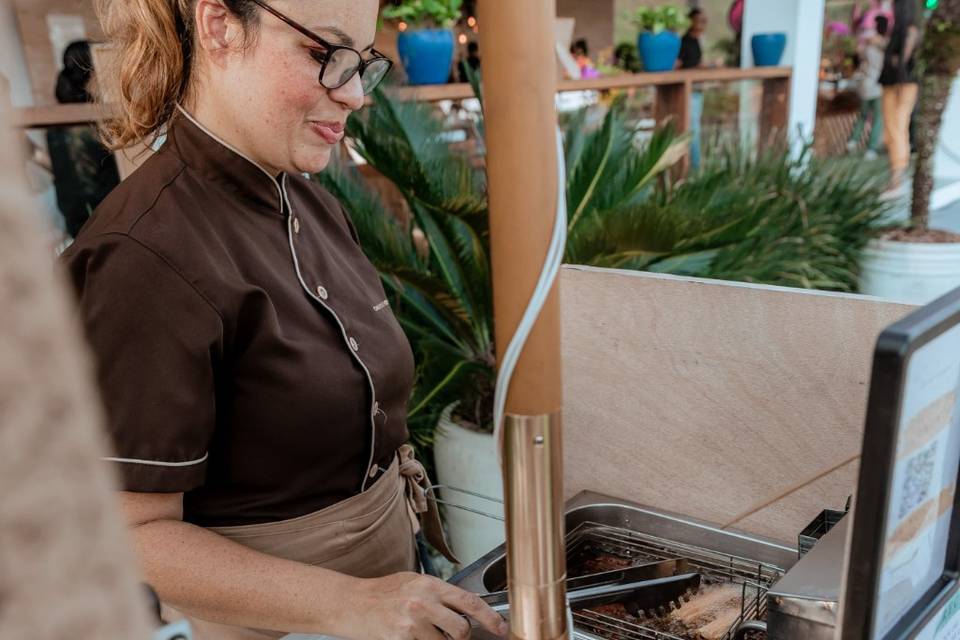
x,y
691,57
900,89
255,378
84,172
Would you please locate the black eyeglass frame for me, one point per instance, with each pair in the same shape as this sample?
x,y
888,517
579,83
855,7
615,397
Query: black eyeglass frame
x,y
331,48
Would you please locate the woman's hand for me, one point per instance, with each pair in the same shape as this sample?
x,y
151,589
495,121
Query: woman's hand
x,y
409,606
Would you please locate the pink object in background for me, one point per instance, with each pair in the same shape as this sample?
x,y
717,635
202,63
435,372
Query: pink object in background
x,y
589,73
866,25
735,16
839,28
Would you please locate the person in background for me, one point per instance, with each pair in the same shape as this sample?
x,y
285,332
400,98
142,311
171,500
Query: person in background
x,y
84,171
472,61
691,57
900,89
869,90
581,53
864,21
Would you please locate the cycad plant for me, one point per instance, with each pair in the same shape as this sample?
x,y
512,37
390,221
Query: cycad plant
x,y
754,217
442,296
764,217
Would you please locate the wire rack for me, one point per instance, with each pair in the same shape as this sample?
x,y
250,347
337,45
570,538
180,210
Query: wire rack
x,y
591,538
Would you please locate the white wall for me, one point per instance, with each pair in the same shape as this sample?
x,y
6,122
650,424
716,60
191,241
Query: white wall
x,y
802,21
12,62
13,65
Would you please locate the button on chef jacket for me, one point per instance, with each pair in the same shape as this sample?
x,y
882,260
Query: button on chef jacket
x,y
245,350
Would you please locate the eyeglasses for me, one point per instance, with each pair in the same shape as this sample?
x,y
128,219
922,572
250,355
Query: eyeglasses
x,y
339,63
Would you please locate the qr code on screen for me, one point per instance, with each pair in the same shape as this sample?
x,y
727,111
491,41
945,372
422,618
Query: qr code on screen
x,y
917,480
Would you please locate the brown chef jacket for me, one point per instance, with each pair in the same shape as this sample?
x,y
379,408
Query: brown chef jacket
x,y
246,352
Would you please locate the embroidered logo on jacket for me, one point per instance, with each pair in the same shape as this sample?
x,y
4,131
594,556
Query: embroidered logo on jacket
x,y
383,305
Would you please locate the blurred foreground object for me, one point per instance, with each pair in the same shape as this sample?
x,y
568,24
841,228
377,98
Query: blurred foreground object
x,y
66,567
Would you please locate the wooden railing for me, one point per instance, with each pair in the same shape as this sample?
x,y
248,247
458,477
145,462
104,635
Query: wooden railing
x,y
673,91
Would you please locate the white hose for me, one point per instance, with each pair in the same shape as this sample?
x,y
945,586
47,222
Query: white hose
x,y
551,268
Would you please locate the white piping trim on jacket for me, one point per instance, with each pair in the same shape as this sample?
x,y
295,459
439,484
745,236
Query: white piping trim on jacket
x,y
235,150
343,331
284,199
159,463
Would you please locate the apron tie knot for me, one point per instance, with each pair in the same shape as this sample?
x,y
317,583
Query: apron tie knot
x,y
420,505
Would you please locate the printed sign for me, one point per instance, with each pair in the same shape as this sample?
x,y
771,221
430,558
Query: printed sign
x,y
924,485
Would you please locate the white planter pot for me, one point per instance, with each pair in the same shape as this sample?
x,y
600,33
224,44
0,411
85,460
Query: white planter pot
x,y
910,272
467,460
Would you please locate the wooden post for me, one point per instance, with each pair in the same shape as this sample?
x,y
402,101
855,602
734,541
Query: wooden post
x,y
672,103
774,112
520,78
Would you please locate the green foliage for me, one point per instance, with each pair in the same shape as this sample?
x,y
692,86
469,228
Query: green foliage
x,y
442,296
425,13
729,49
627,57
764,218
662,18
752,217
940,50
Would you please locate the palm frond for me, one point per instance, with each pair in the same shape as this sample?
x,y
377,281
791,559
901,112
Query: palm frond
x,y
384,240
762,217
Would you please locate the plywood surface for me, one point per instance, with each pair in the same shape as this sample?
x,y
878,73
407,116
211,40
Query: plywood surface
x,y
741,405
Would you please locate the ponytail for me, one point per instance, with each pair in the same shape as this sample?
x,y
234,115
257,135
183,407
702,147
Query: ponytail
x,y
149,70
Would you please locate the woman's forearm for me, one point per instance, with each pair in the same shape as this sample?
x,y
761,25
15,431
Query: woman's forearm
x,y
204,575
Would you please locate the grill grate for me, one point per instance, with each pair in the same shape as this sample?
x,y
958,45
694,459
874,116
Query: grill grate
x,y
590,538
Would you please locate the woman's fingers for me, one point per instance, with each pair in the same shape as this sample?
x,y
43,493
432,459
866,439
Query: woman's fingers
x,y
454,625
473,605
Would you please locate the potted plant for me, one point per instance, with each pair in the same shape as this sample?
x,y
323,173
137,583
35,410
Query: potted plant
x,y
738,219
916,263
768,48
659,39
425,42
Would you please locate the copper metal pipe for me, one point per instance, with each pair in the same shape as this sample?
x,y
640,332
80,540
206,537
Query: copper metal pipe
x,y
536,560
520,77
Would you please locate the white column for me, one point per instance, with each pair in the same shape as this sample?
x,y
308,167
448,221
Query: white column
x,y
802,21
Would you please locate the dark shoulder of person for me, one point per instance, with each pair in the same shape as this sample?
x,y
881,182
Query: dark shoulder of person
x,y
690,52
896,70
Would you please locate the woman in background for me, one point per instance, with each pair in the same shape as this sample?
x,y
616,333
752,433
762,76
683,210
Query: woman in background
x,y
870,91
900,89
84,171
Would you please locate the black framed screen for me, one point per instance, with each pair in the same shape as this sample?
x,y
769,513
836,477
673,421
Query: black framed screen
x,y
904,552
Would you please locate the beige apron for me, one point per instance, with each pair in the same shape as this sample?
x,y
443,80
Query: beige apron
x,y
367,536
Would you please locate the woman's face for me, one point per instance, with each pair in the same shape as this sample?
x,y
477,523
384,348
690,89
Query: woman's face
x,y
272,105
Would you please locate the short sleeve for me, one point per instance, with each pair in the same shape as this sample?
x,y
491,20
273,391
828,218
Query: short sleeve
x,y
156,342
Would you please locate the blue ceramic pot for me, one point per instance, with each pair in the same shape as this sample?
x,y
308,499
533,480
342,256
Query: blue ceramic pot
x,y
768,48
427,55
659,51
